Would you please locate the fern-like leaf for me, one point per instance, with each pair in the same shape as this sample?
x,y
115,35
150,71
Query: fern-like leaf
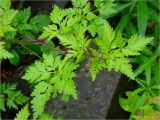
x,y
7,16
23,114
105,7
6,88
15,98
50,32
77,44
5,4
135,45
21,20
123,65
38,22
37,72
96,66
59,13
41,95
10,97
4,54
46,116
119,51
53,76
79,3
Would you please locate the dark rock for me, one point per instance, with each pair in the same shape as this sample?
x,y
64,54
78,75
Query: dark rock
x,y
94,97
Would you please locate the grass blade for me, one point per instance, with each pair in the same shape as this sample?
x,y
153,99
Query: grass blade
x,y
122,24
142,16
118,8
148,74
132,28
155,4
141,68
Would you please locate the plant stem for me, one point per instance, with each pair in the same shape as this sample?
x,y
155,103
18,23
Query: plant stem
x,y
18,42
31,40
134,3
141,68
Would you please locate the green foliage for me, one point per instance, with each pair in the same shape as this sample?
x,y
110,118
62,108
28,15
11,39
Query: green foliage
x,y
144,100
15,59
123,22
140,101
116,57
140,104
21,20
119,8
133,101
80,32
52,76
23,114
10,97
45,116
4,54
105,7
95,66
41,95
142,16
6,17
19,30
135,44
38,22
74,38
77,44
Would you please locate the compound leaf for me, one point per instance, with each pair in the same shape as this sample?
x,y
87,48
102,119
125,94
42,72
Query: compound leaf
x,y
135,45
41,95
4,54
23,114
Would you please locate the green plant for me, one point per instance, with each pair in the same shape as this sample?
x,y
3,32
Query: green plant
x,y
144,101
7,15
140,101
10,97
111,51
23,114
107,42
18,30
82,33
4,53
50,77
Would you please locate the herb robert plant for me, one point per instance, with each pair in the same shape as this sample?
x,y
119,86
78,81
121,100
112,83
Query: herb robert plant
x,y
85,33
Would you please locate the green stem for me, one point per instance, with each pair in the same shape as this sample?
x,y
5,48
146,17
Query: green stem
x,y
30,50
18,42
141,68
44,44
134,3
